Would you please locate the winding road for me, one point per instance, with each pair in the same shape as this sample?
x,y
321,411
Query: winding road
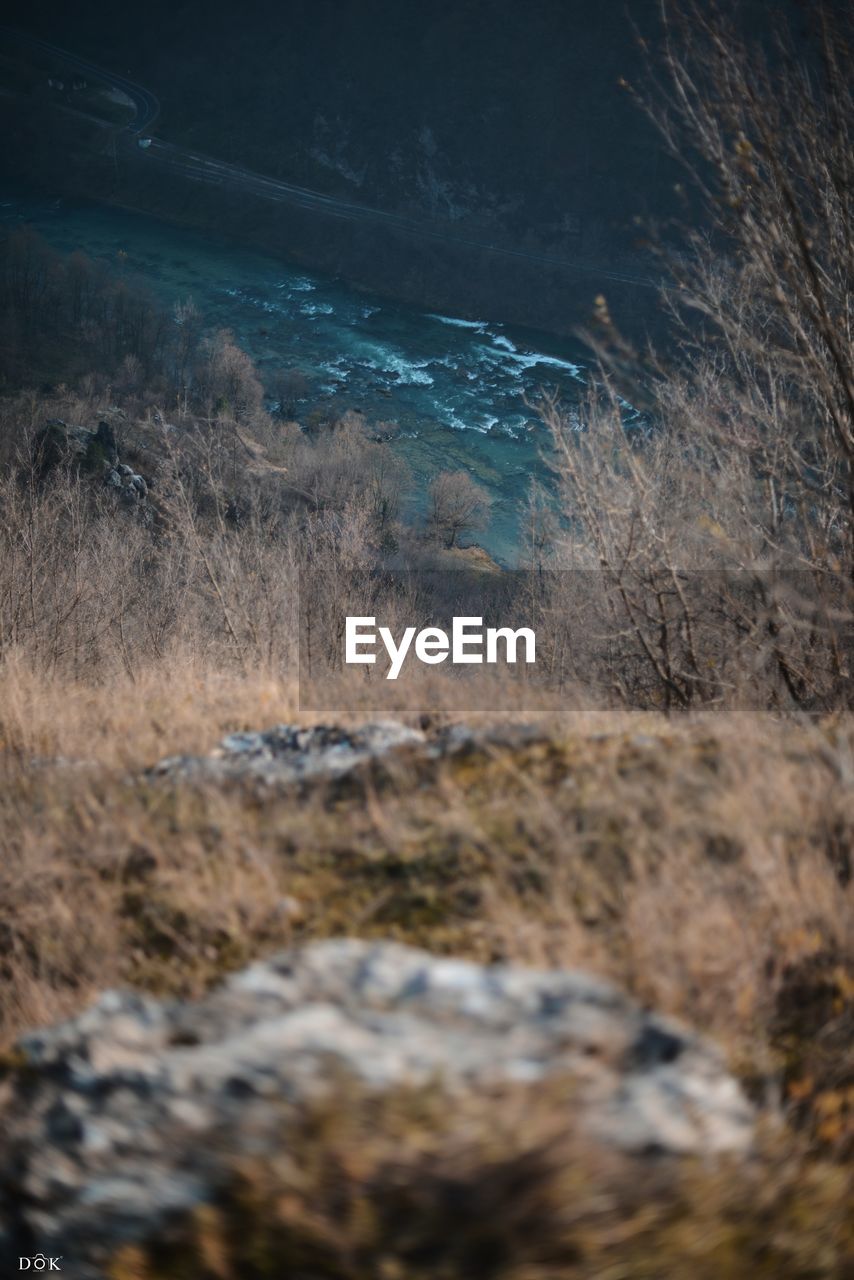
x,y
145,104
202,168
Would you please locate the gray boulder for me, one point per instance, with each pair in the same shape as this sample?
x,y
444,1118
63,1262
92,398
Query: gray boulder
x,y
130,1113
291,753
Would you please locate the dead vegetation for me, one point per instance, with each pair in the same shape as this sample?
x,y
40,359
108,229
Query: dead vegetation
x,y
400,1190
704,865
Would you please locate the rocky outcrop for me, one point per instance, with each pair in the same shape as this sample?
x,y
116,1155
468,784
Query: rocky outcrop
x,y
129,486
130,1113
94,452
290,753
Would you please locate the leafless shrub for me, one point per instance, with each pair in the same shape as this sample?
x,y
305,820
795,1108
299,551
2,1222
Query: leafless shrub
x,y
339,467
225,379
746,463
458,505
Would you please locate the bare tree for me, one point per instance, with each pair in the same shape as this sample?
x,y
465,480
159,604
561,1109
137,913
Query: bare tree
x,y
187,322
226,381
768,134
457,505
744,466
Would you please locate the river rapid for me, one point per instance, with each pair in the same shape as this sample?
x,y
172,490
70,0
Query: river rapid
x,y
461,389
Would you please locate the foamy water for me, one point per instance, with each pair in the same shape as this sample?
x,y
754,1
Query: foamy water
x,y
460,388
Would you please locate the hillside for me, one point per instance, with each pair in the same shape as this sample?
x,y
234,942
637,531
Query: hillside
x,y
371,907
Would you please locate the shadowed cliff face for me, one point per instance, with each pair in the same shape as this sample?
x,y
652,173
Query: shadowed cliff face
x,y
462,108
493,122
502,122
482,111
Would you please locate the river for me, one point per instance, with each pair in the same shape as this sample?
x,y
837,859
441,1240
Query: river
x,y
460,389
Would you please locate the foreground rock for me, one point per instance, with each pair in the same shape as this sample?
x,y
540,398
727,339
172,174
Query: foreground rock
x,y
123,1117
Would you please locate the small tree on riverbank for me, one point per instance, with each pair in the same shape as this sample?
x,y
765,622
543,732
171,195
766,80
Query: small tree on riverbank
x,y
458,505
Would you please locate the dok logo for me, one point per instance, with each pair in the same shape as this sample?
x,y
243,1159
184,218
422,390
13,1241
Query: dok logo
x,y
39,1262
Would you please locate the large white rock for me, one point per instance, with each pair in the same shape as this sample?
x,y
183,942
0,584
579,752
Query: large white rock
x,y
130,1111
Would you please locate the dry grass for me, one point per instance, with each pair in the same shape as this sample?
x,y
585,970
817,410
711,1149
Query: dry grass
x,y
132,721
500,1188
703,864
